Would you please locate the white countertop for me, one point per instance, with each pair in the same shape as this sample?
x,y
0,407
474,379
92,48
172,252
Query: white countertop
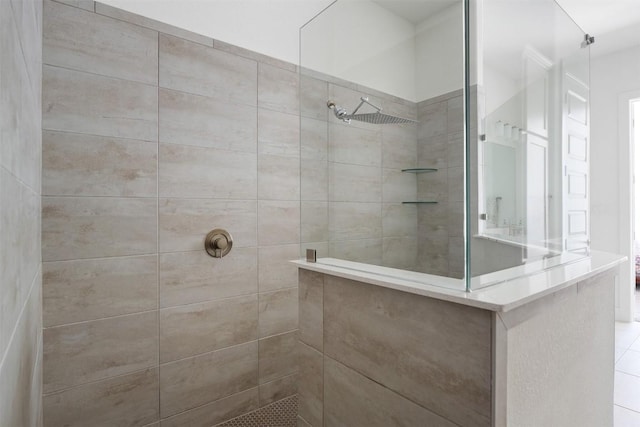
x,y
524,285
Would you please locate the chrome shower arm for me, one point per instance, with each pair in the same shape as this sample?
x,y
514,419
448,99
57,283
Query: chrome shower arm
x,y
365,100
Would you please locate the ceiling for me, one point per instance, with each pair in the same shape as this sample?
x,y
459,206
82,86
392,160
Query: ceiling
x,y
415,11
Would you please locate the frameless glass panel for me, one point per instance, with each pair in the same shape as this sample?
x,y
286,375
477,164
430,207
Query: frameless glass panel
x,y
529,192
382,148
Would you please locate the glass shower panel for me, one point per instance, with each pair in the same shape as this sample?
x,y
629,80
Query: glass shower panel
x,y
529,192
381,86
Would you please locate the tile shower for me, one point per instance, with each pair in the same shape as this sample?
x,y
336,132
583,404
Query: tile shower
x,y
153,136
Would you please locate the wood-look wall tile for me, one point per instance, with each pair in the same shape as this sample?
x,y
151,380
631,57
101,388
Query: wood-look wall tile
x,y
189,119
354,183
278,312
314,180
276,272
398,186
310,302
79,102
188,171
310,385
353,145
399,147
351,399
184,223
83,4
399,220
130,400
194,329
99,45
432,120
277,357
94,227
400,252
278,178
313,139
442,376
278,89
216,412
84,352
313,98
314,221
278,389
278,222
191,277
349,221
368,251
278,133
189,383
81,290
194,68
85,165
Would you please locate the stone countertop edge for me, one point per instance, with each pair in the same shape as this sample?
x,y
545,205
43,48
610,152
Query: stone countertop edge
x,y
501,297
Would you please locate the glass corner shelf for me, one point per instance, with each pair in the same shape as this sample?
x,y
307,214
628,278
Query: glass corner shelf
x,y
420,202
419,170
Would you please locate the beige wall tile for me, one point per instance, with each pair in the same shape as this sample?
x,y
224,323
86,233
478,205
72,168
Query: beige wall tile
x,y
398,186
455,115
354,145
99,44
83,4
399,146
92,227
84,165
314,182
313,98
310,300
216,412
81,290
195,381
301,422
193,329
194,68
313,139
278,178
190,277
87,103
206,122
400,252
399,220
310,385
184,223
433,152
277,357
432,120
354,183
368,251
433,186
276,272
351,399
246,53
354,221
278,312
455,177
314,221
278,222
187,171
143,21
279,389
278,133
443,376
130,400
84,352
278,89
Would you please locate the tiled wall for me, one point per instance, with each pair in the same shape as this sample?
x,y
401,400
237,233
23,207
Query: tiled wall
x,y
20,261
441,146
371,356
153,136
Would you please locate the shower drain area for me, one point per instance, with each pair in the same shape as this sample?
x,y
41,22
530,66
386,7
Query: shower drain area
x,y
282,413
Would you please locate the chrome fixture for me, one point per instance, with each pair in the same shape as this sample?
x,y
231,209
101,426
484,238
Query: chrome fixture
x,y
377,118
218,243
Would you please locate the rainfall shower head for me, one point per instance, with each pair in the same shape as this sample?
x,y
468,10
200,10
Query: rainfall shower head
x,y
377,118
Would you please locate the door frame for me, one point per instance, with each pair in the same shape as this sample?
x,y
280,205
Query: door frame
x,y
625,286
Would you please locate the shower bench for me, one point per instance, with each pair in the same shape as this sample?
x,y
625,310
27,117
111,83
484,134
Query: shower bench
x,y
377,349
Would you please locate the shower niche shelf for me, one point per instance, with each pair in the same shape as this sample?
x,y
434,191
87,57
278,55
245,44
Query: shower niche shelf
x,y
419,170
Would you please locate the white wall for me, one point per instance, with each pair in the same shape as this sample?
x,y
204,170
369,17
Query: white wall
x,y
439,54
266,26
614,80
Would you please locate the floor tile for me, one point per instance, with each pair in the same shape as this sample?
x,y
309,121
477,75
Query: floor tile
x,y
627,333
629,363
626,391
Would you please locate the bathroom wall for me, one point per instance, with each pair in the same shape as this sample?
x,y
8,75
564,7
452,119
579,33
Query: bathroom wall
x,y
153,136
20,262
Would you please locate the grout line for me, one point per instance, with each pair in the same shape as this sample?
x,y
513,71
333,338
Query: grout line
x,y
75,70
77,386
159,290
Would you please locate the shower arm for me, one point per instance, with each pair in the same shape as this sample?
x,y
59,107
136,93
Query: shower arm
x,y
365,100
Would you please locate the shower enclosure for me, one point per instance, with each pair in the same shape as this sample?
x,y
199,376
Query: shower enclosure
x,y
445,142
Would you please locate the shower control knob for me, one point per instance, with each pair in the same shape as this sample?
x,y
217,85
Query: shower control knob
x,y
218,243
